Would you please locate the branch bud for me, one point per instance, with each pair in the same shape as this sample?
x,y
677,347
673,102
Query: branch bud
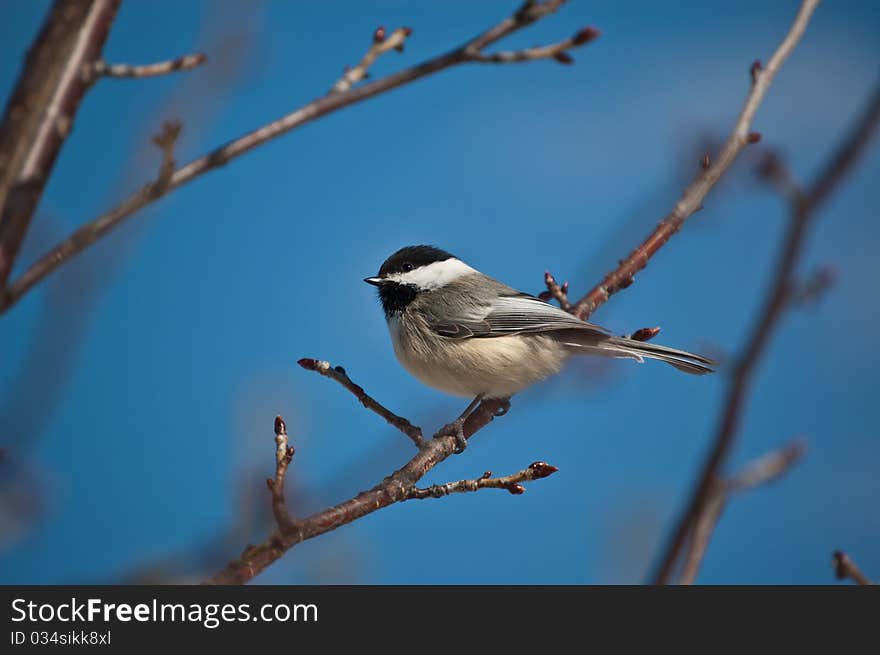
x,y
755,70
645,334
542,469
563,57
308,363
586,35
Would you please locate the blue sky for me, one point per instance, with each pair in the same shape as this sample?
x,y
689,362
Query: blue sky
x,y
139,384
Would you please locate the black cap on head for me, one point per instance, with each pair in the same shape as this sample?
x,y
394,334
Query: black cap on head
x,y
412,257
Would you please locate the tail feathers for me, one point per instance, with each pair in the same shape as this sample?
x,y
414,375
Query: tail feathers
x,y
638,350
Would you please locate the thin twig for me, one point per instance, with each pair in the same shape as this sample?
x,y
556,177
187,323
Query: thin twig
x,y
85,236
512,483
557,51
380,46
283,455
395,488
338,374
771,169
126,71
845,567
166,140
778,298
693,196
766,469
554,290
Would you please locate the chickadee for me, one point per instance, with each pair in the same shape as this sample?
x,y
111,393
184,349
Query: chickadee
x,y
466,334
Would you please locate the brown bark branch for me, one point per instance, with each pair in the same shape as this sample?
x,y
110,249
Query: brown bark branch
x,y
166,140
556,291
380,46
692,199
395,488
90,232
766,469
283,455
783,282
512,483
338,374
126,71
557,51
845,567
41,111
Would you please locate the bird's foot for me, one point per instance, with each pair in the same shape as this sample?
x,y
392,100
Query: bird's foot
x,y
456,428
504,407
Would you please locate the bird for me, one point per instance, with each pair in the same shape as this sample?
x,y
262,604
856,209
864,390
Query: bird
x,y
464,333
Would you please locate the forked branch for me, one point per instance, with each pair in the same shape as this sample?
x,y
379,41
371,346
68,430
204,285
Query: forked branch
x,y
469,52
803,209
694,195
395,488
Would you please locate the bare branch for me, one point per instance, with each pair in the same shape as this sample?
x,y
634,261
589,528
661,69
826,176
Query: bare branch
x,y
766,469
41,110
557,51
165,141
338,374
560,293
771,169
693,196
845,567
777,300
126,71
283,455
85,236
512,483
380,46
395,488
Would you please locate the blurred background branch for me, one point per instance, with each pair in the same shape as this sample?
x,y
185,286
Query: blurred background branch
x,y
41,111
471,51
761,471
845,567
59,337
803,207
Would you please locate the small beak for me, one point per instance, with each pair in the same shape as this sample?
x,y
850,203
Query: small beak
x,y
375,281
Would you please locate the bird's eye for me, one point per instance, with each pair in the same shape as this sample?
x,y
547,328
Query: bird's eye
x,y
407,267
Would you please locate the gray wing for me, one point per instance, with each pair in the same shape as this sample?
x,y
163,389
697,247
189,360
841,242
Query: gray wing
x,y
518,313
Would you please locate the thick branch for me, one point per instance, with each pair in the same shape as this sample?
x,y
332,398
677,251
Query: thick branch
x,y
512,483
126,71
777,300
338,374
395,488
90,232
41,111
693,196
845,567
768,468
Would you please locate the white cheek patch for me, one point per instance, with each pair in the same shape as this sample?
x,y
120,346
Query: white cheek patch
x,y
435,275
